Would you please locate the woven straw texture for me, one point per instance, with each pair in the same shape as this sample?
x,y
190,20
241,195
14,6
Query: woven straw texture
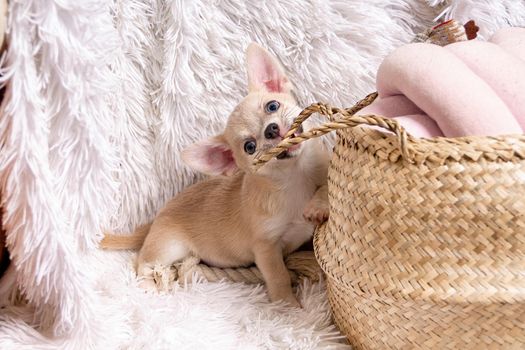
x,y
427,255
425,244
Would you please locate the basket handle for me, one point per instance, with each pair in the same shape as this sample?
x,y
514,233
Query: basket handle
x,y
338,119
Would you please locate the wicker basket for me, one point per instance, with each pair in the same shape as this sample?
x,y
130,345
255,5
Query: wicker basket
x,y
425,245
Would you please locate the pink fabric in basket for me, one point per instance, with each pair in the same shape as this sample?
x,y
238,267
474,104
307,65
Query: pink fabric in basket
x,y
465,88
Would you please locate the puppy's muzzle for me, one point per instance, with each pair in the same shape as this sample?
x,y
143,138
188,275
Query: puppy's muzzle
x,y
286,154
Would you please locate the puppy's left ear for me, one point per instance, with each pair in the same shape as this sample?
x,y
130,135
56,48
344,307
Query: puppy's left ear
x,y
212,156
265,73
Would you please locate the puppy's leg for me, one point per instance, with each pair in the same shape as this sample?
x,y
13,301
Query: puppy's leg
x,y
317,209
161,247
269,260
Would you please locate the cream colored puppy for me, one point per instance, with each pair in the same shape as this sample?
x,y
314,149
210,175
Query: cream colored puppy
x,y
238,217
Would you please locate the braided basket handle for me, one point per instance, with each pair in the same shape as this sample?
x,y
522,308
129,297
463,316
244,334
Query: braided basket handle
x,y
338,119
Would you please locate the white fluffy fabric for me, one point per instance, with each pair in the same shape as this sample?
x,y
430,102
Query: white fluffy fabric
x,y
102,96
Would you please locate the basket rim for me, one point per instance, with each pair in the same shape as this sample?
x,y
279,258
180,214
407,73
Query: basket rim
x,y
437,150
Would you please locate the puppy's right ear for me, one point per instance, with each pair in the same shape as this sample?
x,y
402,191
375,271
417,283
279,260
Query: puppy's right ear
x,y
212,156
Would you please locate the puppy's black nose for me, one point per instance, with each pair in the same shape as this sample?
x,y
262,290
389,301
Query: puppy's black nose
x,y
272,131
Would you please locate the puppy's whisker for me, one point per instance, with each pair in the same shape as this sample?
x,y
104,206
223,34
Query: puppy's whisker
x,y
263,149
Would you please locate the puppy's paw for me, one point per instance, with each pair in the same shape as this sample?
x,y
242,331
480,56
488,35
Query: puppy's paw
x,y
288,298
316,213
293,302
148,284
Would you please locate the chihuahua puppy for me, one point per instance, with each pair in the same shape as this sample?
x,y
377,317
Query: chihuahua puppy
x,y
238,217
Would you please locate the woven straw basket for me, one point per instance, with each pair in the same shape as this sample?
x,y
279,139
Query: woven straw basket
x,y
425,244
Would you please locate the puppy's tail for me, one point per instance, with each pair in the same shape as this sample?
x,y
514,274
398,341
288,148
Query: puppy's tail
x,y
133,241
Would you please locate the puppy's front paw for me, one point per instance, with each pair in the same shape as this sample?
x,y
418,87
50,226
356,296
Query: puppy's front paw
x,y
292,301
289,299
316,213
148,284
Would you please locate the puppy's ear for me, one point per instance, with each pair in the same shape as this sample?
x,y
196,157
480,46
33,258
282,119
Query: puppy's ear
x,y
212,156
265,73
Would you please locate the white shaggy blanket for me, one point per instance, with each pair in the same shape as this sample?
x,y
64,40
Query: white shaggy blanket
x,y
101,97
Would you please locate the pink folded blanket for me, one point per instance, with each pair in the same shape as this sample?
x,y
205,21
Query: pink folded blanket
x,y
466,88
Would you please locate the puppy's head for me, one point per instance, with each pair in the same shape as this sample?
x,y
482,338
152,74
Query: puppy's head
x,y
257,124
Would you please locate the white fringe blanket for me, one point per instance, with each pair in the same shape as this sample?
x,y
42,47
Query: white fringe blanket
x,y
101,97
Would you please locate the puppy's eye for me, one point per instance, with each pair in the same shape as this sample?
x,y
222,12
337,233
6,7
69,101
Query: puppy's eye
x,y
250,146
272,106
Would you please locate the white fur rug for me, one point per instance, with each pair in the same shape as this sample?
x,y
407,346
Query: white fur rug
x,y
101,97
